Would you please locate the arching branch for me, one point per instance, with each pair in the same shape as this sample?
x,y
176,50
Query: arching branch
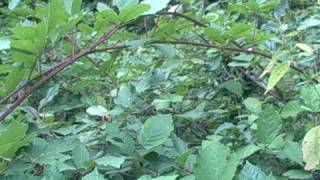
x,y
30,88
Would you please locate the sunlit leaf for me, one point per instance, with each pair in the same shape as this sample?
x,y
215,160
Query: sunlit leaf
x,y
110,161
277,73
13,4
311,148
215,161
155,131
305,47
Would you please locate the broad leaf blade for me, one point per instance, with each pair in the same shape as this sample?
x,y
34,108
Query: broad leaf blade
x,y
216,162
269,125
277,74
155,131
311,148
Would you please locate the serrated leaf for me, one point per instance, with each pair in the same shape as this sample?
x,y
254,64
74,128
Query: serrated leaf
x,y
293,152
252,172
80,155
104,18
110,161
247,151
277,74
155,131
52,92
239,30
269,125
133,12
166,50
12,138
13,79
233,86
94,175
270,65
196,113
252,104
125,96
291,109
311,148
311,97
215,161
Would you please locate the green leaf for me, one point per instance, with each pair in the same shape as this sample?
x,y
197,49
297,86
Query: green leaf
x,y
293,152
110,161
52,92
125,96
196,113
297,174
133,12
72,6
215,161
166,50
54,15
247,151
233,86
13,79
25,46
147,177
278,143
122,4
252,172
305,47
102,7
161,103
94,175
13,4
97,111
277,73
214,35
80,155
311,148
53,152
155,131
252,104
311,98
155,5
269,125
128,146
239,30
291,109
309,22
4,43
13,138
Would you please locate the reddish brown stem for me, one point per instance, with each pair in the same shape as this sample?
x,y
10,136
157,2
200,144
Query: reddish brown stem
x,y
54,70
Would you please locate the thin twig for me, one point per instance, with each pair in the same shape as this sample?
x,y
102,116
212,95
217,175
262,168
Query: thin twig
x,y
222,48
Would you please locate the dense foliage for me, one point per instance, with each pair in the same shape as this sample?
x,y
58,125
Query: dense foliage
x,y
159,89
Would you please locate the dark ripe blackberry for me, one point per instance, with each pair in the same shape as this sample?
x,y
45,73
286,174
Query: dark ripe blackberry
x,y
316,175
